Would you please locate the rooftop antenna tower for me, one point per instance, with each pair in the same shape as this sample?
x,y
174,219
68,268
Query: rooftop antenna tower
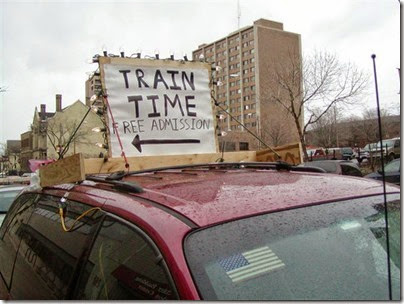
x,y
238,14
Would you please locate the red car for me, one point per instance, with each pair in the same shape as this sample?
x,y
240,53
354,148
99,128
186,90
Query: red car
x,y
245,231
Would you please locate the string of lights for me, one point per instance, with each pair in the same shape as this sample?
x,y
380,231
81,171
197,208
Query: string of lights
x,y
138,54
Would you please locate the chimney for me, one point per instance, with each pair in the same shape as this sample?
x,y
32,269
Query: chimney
x,y
43,110
58,102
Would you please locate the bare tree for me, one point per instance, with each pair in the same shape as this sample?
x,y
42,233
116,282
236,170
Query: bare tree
x,y
59,135
369,127
313,87
324,130
276,133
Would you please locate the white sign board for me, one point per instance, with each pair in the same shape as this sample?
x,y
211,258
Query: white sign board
x,y
159,107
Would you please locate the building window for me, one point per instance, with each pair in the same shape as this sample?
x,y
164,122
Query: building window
x,y
243,146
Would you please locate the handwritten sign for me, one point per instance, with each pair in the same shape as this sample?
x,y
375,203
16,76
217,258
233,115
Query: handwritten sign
x,y
291,153
160,107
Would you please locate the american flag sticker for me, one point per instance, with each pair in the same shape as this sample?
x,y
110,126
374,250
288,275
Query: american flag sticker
x,y
250,264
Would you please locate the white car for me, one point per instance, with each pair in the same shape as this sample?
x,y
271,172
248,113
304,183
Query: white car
x,y
7,196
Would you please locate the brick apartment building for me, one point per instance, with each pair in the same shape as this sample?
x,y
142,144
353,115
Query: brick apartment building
x,y
247,57
92,86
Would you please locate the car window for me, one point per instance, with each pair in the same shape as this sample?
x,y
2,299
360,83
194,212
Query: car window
x,y
48,255
6,198
397,143
18,216
392,167
333,251
125,266
350,170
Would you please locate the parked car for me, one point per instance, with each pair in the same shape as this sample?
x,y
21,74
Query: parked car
x,y
243,231
7,195
364,153
391,172
343,167
391,148
347,153
316,153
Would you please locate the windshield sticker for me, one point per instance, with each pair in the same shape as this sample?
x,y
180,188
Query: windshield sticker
x,y
250,264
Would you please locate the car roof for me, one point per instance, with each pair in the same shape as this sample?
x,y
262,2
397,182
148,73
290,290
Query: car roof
x,y
206,196
4,188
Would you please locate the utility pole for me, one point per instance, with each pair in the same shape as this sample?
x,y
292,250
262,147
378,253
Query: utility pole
x,y
336,127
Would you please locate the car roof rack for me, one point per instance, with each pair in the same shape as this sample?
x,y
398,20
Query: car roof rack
x,y
119,185
279,166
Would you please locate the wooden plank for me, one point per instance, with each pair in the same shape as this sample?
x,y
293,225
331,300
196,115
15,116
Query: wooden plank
x,y
291,154
97,165
67,170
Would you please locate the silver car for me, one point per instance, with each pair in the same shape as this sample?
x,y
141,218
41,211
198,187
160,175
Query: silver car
x,y
7,196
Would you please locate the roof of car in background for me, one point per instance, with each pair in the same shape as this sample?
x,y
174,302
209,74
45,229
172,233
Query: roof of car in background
x,y
12,187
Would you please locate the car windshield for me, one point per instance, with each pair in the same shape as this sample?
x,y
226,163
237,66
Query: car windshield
x,y
369,146
6,198
347,150
388,143
332,251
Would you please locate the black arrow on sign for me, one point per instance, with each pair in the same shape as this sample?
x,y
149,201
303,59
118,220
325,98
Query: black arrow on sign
x,y
137,143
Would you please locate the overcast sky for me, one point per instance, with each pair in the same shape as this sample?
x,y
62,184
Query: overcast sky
x,y
45,45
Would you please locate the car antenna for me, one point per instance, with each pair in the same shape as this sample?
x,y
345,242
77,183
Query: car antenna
x,y
384,178
241,124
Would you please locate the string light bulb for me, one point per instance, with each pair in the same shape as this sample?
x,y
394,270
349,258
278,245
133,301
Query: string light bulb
x,y
98,129
101,145
122,52
97,110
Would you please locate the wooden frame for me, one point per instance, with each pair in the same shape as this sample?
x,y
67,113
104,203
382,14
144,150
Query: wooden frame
x,y
75,168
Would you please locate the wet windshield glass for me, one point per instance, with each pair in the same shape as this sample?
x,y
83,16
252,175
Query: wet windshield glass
x,y
332,251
